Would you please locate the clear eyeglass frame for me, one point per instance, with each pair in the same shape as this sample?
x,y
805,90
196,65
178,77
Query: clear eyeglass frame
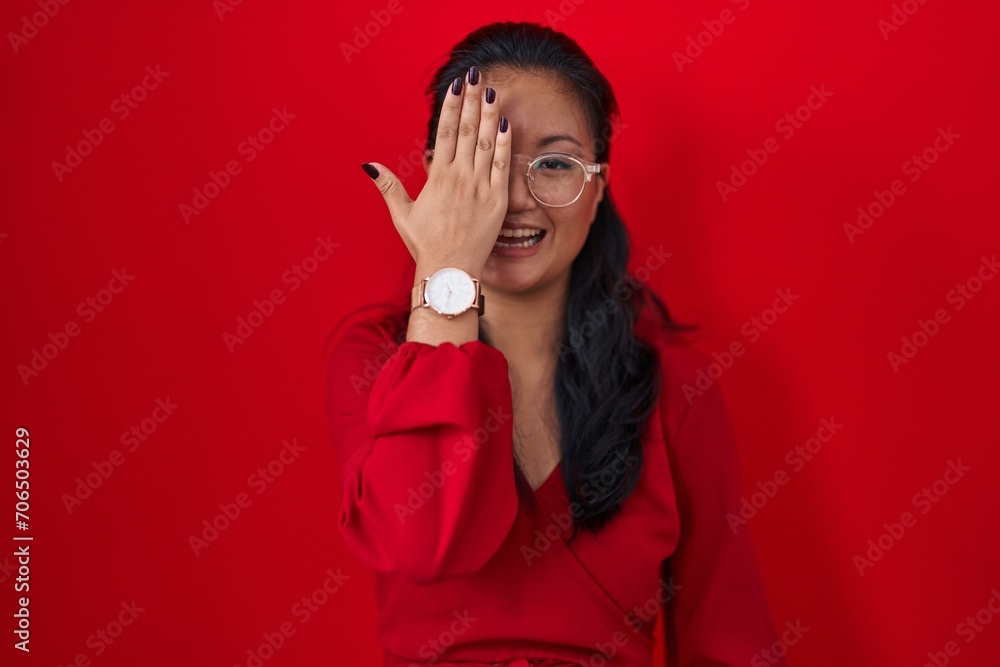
x,y
589,169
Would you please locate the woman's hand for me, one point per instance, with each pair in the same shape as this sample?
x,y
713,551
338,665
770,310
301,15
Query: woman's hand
x,y
456,218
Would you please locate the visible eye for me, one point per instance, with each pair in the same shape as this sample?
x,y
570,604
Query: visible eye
x,y
552,164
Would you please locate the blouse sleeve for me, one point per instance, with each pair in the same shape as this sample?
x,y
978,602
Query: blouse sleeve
x,y
719,614
425,454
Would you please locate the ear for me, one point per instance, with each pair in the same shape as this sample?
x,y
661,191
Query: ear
x,y
600,182
427,161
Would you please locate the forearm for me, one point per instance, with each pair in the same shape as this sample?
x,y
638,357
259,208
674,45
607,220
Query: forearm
x,y
435,418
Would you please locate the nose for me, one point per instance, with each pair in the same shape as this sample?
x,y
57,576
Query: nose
x,y
519,195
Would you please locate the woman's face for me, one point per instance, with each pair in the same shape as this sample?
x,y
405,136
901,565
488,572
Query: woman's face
x,y
542,118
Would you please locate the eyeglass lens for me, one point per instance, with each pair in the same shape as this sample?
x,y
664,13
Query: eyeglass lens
x,y
556,181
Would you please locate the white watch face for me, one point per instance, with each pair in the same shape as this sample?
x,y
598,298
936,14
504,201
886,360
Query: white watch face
x,y
450,291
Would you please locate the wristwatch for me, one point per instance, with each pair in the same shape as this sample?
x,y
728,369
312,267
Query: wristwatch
x,y
448,291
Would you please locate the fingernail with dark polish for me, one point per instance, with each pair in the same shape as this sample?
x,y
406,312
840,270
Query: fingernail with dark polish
x,y
473,76
491,95
370,170
456,86
503,123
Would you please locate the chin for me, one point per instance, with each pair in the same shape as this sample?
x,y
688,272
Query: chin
x,y
510,278
520,279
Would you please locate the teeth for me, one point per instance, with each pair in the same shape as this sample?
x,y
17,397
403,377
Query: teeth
x,y
534,240
517,233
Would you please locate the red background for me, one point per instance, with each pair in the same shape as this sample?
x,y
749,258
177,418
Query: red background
x,y
162,336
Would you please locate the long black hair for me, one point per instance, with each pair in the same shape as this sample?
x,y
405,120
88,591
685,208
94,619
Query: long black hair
x,y
607,380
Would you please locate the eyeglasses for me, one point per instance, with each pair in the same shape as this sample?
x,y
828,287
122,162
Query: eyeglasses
x,y
556,179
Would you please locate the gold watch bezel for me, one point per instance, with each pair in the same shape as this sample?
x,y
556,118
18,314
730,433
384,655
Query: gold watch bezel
x,y
418,295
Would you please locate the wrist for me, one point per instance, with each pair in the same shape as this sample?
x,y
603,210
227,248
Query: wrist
x,y
426,326
427,268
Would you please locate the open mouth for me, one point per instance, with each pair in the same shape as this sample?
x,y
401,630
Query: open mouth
x,y
519,238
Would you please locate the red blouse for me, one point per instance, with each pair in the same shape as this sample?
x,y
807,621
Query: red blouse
x,y
469,573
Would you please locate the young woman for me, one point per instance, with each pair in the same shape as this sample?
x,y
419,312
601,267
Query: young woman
x,y
524,463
